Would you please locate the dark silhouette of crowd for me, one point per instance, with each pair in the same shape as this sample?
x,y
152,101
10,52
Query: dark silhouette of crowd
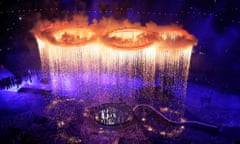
x,y
9,82
12,81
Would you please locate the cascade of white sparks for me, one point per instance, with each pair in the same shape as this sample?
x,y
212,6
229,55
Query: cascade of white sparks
x,y
112,68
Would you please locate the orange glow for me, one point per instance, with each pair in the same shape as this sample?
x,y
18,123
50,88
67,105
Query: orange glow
x,y
129,38
72,36
117,34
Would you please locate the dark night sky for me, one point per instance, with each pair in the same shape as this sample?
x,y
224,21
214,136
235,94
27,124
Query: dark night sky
x,y
215,23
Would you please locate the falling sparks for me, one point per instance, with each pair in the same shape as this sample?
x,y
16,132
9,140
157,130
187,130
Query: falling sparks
x,y
113,58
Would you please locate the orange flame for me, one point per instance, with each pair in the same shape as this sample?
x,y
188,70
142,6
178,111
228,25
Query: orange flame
x,y
116,34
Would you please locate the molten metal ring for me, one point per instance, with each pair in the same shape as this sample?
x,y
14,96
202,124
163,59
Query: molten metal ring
x,y
129,38
69,37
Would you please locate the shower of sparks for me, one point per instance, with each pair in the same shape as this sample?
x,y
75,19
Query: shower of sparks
x,y
111,58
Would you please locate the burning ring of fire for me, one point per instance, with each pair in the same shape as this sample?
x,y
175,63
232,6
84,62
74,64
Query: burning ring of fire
x,y
129,38
132,36
69,36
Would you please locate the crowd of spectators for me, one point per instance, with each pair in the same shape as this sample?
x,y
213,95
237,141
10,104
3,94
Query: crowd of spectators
x,y
9,82
12,81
